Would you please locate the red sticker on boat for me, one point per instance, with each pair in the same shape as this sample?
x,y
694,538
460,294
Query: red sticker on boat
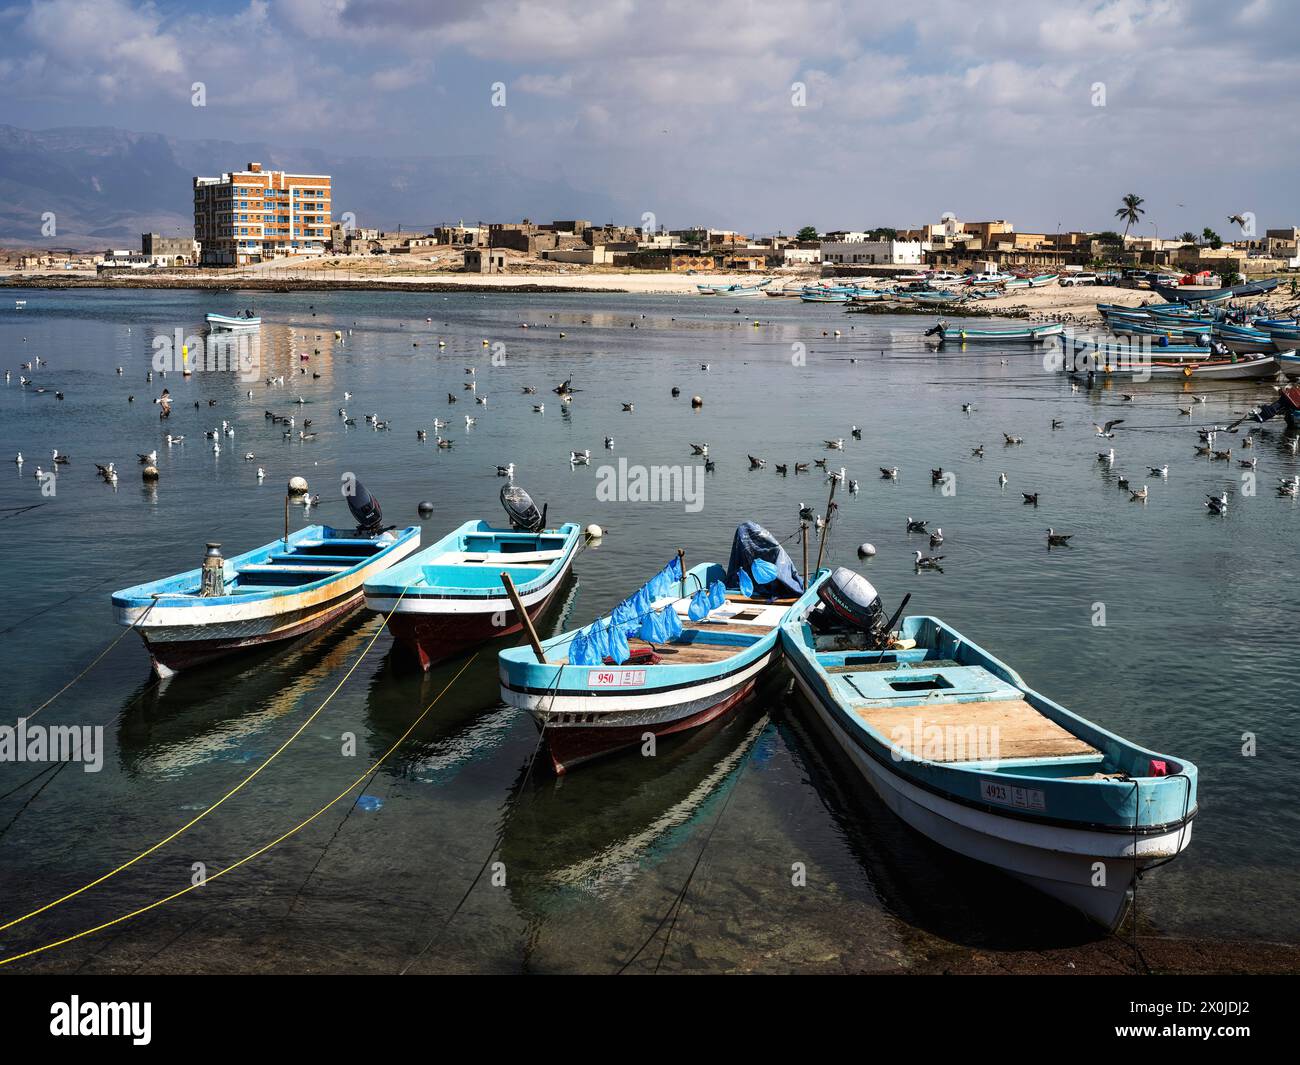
x,y
615,678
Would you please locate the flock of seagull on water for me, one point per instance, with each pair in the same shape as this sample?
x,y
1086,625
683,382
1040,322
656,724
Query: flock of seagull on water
x,y
303,432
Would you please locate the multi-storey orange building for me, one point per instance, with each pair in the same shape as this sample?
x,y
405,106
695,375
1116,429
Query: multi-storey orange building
x,y
253,215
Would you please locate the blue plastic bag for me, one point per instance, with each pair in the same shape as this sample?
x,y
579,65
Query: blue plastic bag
x,y
652,628
580,651
746,585
764,572
672,624
717,595
699,607
619,652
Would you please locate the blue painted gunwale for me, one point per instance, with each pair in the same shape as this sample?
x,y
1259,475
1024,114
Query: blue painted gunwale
x,y
1158,804
409,574
521,672
181,589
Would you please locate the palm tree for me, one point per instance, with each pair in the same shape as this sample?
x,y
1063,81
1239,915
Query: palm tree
x,y
1130,212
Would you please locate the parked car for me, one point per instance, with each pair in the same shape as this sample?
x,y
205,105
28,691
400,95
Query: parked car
x,y
1070,280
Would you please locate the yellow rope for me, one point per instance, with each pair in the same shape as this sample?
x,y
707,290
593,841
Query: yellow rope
x,y
261,850
233,791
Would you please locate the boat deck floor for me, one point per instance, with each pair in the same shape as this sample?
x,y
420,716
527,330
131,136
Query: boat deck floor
x,y
689,653
1022,732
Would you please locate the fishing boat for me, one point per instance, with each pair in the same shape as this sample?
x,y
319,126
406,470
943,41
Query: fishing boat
x,y
1244,340
452,595
962,749
702,637
1287,405
824,297
291,586
247,320
1198,294
1207,367
1030,334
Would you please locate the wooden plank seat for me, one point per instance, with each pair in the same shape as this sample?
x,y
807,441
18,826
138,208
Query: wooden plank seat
x,y
880,667
1023,733
262,567
690,652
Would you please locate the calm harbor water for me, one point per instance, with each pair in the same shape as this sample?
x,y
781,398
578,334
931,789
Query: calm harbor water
x,y
1195,652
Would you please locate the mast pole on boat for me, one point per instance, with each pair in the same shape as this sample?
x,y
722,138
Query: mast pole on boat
x,y
826,529
286,521
681,561
523,616
803,535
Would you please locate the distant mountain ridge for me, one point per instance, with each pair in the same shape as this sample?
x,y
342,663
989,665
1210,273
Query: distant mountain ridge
x,y
106,186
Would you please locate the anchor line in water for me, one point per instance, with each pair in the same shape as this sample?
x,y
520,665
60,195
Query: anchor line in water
x,y
13,512
95,661
233,791
679,899
252,855
496,843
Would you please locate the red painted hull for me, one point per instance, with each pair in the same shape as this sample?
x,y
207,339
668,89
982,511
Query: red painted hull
x,y
570,746
173,656
433,638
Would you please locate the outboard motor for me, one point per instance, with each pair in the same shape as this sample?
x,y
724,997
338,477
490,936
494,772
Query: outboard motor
x,y
365,508
849,601
522,511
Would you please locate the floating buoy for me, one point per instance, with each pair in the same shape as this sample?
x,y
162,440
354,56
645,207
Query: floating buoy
x,y
866,550
297,486
594,532
425,509
150,473
697,401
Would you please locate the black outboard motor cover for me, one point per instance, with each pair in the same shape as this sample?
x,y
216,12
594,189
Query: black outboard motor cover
x,y
366,509
852,599
523,512
753,541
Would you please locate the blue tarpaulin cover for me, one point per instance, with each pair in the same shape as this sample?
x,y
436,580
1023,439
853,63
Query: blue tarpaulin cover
x,y
755,549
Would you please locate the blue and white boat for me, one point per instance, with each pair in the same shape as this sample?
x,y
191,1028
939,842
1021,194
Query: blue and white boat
x,y
451,596
962,749
278,592
680,652
247,320
1028,334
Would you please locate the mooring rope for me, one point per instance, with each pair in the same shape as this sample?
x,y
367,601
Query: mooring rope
x,y
254,854
675,908
232,792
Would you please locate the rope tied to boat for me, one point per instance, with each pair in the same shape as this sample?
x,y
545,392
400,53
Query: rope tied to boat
x,y
360,780
229,794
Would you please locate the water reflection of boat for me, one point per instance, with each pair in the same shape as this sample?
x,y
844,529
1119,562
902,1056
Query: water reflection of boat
x,y
169,728
559,853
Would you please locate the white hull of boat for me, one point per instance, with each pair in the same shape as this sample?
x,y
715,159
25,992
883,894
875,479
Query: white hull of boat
x,y
1060,862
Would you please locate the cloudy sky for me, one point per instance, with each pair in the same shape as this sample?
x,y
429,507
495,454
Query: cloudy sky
x,y
754,114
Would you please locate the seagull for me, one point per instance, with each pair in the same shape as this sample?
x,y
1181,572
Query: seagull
x,y
1160,471
936,538
1248,464
700,449
928,561
1002,479
967,408
249,456
756,463
835,445
627,407
853,487
936,475
609,443
507,470
539,408
470,421
529,390
1122,481
172,441
1289,486
888,473
60,460
481,400
580,458
856,433
1217,504
149,459
1106,456
1107,430
443,442
421,434
799,467
782,469
1186,412
806,513
916,526
18,459
1056,539
261,473
1013,439
106,472
1222,456
1138,495
451,398
978,452
1057,423
1031,498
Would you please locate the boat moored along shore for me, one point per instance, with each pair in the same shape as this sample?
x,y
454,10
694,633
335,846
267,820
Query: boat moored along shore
x,y
961,748
451,596
682,651
289,587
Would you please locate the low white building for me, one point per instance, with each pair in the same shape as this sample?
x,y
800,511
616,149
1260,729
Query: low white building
x,y
872,252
